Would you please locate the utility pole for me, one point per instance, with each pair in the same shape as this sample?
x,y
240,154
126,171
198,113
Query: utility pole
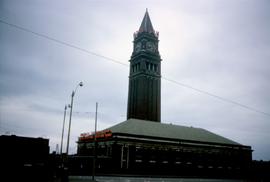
x,y
61,147
95,144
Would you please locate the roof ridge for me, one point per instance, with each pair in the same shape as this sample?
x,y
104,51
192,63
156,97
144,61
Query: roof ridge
x,y
169,124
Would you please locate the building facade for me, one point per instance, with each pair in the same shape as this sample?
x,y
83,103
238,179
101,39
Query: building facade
x,y
24,158
145,147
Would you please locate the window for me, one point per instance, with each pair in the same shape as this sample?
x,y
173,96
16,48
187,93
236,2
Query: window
x,y
147,66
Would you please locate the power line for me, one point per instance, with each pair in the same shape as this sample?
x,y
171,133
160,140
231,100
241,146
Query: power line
x,y
62,42
126,65
216,96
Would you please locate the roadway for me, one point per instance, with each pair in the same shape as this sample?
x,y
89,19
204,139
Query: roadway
x,y
146,179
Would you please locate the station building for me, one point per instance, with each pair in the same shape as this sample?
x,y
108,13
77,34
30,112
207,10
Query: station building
x,y
144,145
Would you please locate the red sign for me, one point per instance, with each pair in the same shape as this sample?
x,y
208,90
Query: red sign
x,y
105,134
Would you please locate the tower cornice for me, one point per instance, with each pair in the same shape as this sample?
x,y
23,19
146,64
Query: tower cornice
x,y
145,54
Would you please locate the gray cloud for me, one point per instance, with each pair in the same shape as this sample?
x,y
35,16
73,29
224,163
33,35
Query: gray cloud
x,y
218,46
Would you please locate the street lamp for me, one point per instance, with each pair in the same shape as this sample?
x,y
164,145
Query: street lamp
x,y
70,115
63,129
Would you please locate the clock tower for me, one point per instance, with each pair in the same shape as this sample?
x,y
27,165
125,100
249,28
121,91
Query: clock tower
x,y
145,74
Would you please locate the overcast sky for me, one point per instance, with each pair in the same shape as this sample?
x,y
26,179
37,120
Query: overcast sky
x,y
218,46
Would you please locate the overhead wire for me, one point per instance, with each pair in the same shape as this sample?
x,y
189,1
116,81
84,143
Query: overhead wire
x,y
62,42
126,65
217,97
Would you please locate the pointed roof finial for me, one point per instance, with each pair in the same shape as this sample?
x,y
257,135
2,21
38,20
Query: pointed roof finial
x,y
146,25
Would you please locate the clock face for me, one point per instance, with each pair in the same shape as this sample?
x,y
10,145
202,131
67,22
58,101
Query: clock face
x,y
138,47
150,46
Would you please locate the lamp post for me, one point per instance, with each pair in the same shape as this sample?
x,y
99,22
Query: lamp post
x,y
70,114
61,147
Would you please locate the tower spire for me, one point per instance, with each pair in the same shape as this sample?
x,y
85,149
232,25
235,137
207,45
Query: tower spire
x,y
146,25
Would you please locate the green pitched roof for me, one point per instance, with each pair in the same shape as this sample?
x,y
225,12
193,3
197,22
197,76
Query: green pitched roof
x,y
168,131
